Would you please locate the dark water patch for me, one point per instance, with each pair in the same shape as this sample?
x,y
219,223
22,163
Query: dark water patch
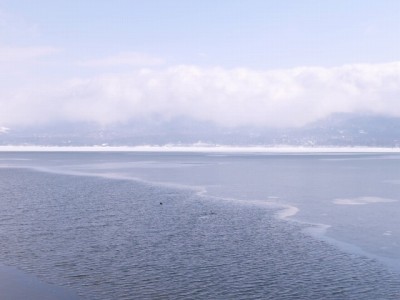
x,y
111,239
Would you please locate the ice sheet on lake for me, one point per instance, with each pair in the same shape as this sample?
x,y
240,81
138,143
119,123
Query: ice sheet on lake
x,y
362,201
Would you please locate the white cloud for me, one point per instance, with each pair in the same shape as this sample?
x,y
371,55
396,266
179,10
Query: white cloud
x,y
133,59
14,28
4,129
229,97
23,54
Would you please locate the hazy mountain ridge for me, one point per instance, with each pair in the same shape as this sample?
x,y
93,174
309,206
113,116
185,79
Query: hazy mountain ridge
x,y
336,130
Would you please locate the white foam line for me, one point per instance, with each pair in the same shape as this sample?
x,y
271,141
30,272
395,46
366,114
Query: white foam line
x,y
201,149
287,212
112,176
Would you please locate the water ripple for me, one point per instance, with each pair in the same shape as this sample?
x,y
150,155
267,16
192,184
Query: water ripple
x,y
111,239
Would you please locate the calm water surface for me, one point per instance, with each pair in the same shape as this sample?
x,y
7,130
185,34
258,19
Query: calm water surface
x,y
94,223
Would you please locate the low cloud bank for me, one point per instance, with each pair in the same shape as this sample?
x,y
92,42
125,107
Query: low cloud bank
x,y
227,97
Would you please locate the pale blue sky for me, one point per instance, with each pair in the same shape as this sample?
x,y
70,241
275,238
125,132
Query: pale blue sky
x,y
233,63
247,33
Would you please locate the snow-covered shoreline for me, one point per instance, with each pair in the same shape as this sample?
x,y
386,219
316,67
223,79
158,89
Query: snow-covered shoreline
x,y
201,149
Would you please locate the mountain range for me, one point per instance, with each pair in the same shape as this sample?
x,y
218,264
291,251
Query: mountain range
x,y
335,130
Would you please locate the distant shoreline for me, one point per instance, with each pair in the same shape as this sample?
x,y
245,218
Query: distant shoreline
x,y
201,149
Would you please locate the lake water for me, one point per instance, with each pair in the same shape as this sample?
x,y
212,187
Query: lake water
x,y
204,226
